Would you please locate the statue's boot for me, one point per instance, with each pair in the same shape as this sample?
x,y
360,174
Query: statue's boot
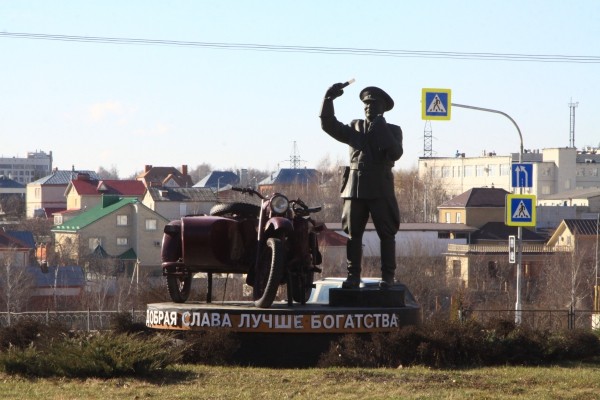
x,y
354,257
388,263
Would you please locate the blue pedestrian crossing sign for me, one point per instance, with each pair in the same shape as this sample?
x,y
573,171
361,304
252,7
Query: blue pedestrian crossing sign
x,y
522,175
520,210
435,104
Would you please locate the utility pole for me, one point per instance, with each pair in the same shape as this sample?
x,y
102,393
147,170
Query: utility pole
x,y
427,140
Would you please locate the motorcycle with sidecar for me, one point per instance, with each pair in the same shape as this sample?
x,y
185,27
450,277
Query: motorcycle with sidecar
x,y
273,244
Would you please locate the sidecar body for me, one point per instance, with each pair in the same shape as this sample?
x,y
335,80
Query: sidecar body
x,y
208,244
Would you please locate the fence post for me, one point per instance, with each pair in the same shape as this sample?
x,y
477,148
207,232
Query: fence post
x,y
47,316
571,317
88,319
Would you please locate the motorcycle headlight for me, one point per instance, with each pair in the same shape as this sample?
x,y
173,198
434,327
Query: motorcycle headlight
x,y
279,204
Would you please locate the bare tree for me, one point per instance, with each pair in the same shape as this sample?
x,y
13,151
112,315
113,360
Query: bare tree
x,y
200,172
15,282
112,173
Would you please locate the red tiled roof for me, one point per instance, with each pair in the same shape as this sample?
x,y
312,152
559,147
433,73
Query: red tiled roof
x,y
327,237
126,187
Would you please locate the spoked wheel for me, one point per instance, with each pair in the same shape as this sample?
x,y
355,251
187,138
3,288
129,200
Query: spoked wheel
x,y
269,274
179,287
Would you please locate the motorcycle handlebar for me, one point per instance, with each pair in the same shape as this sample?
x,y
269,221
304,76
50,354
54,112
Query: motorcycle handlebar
x,y
251,191
248,190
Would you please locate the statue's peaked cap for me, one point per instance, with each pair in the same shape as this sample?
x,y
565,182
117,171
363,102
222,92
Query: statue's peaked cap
x,y
371,93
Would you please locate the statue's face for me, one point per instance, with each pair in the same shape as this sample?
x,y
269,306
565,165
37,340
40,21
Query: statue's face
x,y
373,109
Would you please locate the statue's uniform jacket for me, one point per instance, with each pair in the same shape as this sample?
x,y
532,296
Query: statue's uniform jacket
x,y
372,154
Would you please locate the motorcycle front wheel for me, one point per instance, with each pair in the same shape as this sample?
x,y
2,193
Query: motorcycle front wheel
x,y
179,287
269,274
302,286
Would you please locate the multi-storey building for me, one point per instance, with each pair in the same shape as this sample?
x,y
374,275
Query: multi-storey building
x,y
554,170
25,170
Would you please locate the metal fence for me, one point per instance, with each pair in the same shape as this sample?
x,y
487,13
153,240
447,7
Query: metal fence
x,y
74,320
539,319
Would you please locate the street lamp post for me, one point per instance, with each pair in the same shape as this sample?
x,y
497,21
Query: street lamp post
x,y
218,186
519,229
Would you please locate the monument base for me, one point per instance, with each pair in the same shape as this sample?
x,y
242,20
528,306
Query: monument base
x,y
367,297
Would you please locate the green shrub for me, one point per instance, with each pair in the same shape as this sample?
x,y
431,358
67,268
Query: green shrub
x,y
451,344
100,355
26,332
123,323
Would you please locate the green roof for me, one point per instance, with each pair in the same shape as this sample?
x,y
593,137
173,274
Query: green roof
x,y
107,206
128,255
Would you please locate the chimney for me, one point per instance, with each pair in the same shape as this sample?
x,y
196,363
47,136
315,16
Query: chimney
x,y
184,170
147,168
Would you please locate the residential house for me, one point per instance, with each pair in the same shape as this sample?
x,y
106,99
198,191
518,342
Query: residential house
x,y
475,207
84,192
174,203
570,204
119,229
57,288
17,248
165,177
219,179
46,196
303,179
12,197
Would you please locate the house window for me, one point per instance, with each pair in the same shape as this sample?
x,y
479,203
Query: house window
x,y
445,172
491,170
150,224
38,193
479,170
94,242
468,169
121,220
504,169
456,269
458,218
122,241
447,217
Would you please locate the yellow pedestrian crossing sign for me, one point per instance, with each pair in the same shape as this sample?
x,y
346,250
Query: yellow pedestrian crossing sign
x,y
520,210
435,104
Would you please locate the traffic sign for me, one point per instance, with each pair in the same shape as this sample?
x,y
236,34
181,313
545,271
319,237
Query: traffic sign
x,y
520,210
522,175
435,104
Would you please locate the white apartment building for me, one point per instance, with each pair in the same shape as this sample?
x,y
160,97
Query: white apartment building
x,y
555,170
25,170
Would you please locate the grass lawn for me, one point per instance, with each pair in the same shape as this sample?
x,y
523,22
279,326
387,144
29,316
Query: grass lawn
x,y
573,381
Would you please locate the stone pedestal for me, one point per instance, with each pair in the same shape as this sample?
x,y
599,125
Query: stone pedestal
x,y
367,297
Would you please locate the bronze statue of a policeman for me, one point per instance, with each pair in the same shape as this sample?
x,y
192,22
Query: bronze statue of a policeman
x,y
368,183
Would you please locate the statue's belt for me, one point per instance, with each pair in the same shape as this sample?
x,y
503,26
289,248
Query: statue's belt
x,y
368,166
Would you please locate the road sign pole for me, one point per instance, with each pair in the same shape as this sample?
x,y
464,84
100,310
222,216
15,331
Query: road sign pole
x,y
520,229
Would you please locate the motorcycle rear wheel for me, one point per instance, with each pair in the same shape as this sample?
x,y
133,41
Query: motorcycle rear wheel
x,y
179,287
235,209
269,275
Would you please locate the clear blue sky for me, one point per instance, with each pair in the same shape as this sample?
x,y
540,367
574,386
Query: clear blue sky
x,y
121,105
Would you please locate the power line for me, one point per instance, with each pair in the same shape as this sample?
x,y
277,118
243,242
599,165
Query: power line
x,y
550,58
